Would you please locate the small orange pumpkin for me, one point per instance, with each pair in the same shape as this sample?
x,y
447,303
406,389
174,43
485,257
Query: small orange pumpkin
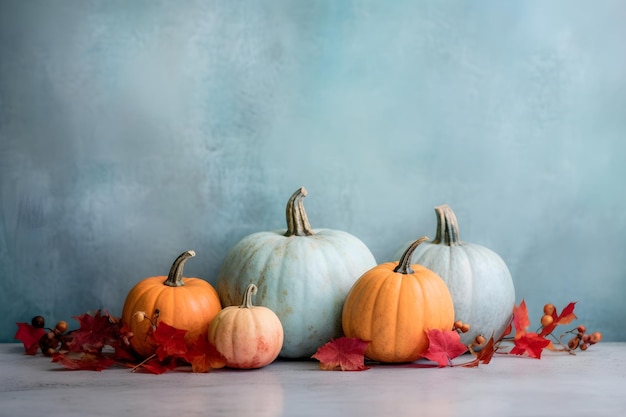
x,y
185,303
247,336
393,305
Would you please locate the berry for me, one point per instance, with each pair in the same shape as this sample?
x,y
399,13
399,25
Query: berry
x,y
548,309
458,324
574,342
479,340
581,329
546,320
38,322
584,346
48,341
586,338
465,328
595,337
61,326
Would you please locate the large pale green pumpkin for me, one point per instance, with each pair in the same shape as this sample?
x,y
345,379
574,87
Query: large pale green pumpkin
x,y
478,279
302,274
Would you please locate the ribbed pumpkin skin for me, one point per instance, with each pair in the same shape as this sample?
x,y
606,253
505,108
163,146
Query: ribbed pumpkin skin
x,y
189,306
303,279
478,279
394,311
480,284
248,337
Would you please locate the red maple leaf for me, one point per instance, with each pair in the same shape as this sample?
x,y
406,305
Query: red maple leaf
x,y
484,355
29,335
443,346
344,353
170,341
156,366
520,319
87,361
95,332
530,344
204,356
567,316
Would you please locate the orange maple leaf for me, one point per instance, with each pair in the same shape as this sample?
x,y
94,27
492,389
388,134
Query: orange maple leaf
x,y
520,319
443,346
344,354
530,344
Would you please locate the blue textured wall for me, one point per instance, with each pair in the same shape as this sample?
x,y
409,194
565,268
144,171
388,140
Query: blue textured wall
x,y
132,131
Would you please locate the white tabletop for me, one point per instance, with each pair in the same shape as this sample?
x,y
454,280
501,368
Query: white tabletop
x,y
592,383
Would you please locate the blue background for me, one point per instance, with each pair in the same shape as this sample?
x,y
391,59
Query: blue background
x,y
131,131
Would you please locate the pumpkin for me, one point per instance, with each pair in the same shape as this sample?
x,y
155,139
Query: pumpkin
x,y
478,279
247,336
184,303
302,274
393,305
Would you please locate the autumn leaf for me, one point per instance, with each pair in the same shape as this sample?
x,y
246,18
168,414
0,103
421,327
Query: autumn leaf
x,y
29,335
530,344
204,356
443,346
567,316
94,333
87,361
520,319
156,366
484,355
170,341
344,353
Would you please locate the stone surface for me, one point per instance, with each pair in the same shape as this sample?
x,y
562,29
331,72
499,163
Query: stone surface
x,y
588,384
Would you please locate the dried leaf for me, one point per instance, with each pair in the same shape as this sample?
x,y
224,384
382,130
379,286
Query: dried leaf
x,y
567,316
520,319
157,366
83,361
530,344
204,356
344,353
29,335
94,333
443,346
170,341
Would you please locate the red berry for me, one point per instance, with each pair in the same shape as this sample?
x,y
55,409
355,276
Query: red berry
x,y
548,309
574,342
595,337
581,329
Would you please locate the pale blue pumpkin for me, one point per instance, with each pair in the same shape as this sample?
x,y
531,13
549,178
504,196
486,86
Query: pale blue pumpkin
x,y
302,274
478,279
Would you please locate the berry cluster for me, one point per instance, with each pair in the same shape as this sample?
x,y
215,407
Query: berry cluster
x,y
581,339
50,342
461,327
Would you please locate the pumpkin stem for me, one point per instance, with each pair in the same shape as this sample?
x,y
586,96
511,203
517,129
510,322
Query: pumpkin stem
x,y
175,277
404,265
297,220
447,226
247,296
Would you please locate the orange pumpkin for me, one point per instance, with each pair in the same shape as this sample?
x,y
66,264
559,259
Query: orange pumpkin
x,y
393,305
247,336
185,303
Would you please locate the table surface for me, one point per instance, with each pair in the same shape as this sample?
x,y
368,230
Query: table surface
x,y
591,383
